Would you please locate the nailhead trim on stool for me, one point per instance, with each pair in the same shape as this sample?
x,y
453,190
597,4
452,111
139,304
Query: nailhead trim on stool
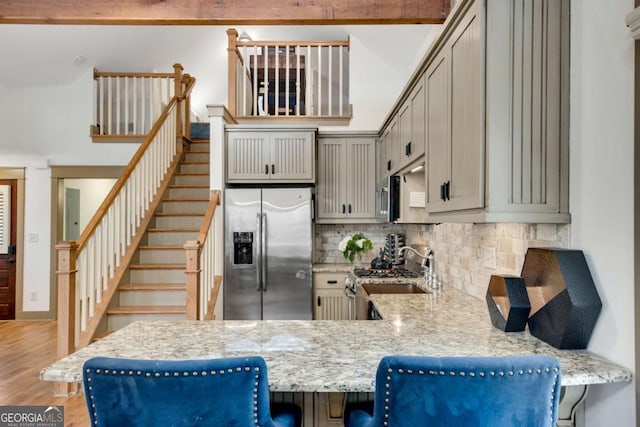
x,y
177,374
470,374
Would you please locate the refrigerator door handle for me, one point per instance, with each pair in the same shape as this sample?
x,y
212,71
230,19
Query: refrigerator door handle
x,y
259,249
263,250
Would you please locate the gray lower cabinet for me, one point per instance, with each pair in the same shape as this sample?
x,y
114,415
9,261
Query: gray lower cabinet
x,y
329,299
345,190
270,155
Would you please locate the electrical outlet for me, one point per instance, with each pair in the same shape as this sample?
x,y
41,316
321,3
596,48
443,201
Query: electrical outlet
x,y
33,296
33,237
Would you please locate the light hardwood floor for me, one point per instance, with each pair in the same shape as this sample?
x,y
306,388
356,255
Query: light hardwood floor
x,y
26,348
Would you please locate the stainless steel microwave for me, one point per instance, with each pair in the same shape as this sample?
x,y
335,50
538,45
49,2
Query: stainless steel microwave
x,y
388,199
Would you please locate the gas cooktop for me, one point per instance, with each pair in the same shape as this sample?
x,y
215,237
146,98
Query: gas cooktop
x,y
391,273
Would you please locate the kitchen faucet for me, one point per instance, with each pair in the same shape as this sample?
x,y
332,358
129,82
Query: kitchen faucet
x,y
428,257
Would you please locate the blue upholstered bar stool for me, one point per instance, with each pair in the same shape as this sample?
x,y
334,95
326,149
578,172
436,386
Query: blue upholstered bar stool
x,y
215,392
414,391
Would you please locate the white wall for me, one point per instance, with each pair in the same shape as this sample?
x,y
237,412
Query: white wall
x,y
92,194
602,187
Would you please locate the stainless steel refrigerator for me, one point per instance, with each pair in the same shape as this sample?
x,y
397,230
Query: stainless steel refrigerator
x,y
268,250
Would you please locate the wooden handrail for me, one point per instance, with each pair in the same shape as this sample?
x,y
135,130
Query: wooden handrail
x,y
115,190
208,216
199,255
283,43
97,74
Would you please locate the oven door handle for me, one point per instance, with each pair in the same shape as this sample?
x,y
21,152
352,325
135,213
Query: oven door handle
x,y
351,304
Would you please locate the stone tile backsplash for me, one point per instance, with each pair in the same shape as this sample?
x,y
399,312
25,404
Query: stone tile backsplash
x,y
466,255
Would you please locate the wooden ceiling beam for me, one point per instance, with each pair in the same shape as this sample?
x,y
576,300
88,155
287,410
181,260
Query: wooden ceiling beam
x,y
224,12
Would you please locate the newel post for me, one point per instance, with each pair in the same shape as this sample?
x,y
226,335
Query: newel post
x,y
187,107
192,280
177,82
67,253
232,84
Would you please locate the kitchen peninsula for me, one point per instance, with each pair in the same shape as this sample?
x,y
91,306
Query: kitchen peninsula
x,y
341,356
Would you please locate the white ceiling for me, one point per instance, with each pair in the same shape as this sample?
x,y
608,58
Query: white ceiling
x,y
44,55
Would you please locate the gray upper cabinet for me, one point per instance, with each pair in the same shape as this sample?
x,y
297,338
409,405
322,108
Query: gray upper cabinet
x,y
454,120
438,118
411,126
497,113
345,191
391,147
262,155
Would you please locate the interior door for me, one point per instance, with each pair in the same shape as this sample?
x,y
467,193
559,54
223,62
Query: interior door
x,y
8,220
71,213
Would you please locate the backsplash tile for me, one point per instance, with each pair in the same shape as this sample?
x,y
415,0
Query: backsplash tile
x,y
466,254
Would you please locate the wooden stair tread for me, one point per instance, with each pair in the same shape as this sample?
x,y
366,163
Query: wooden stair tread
x,y
148,309
188,186
152,287
179,214
172,230
200,140
157,266
191,174
193,199
160,247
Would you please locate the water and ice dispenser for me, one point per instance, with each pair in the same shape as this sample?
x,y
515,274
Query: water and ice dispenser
x,y
242,247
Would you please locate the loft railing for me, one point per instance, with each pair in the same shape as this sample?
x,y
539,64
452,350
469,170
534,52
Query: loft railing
x,y
288,79
128,104
90,269
202,281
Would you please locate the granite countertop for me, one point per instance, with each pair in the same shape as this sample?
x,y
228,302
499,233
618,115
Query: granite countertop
x,y
332,268
329,356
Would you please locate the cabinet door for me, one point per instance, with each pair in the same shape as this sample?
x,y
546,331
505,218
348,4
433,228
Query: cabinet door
x,y
291,156
438,136
467,126
247,156
330,304
332,177
380,160
393,149
361,178
418,121
404,134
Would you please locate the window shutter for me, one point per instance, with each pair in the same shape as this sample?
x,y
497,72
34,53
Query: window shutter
x,y
5,218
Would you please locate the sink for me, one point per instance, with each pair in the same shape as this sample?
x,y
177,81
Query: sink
x,y
397,288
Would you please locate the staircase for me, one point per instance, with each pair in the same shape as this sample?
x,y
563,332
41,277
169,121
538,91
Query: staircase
x,y
154,287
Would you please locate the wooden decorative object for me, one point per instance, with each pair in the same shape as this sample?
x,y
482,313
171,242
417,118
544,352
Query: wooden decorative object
x,y
508,303
564,301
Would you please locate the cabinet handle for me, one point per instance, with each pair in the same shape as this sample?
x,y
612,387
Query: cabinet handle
x,y
273,169
266,169
448,190
407,149
344,209
441,191
332,282
388,165
349,207
319,302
